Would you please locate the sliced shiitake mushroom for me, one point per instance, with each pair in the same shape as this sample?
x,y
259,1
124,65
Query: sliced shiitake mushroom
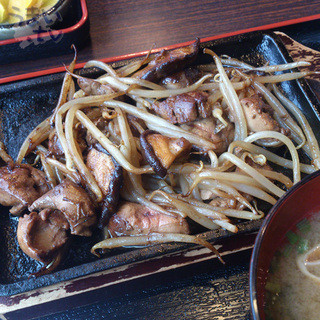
x,y
109,176
168,62
160,151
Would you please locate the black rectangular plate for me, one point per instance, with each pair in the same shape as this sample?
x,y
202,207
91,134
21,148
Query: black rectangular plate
x,y
24,104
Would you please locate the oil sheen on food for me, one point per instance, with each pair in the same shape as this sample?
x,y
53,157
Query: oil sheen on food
x,y
291,294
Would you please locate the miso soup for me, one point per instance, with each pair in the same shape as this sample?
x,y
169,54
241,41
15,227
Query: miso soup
x,y
293,286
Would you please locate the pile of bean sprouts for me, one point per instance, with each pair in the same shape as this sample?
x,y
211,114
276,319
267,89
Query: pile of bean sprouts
x,y
179,193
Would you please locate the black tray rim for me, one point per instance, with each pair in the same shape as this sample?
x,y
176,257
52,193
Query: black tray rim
x,y
137,255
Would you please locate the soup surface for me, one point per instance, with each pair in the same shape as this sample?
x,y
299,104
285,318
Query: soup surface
x,y
290,293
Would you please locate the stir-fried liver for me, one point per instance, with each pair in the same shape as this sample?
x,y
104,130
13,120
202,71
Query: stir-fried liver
x,y
184,107
135,219
258,114
207,128
42,235
20,186
73,202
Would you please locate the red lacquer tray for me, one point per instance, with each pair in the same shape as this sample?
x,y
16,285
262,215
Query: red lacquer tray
x,y
78,33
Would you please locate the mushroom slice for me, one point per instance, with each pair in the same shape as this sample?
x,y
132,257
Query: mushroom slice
x,y
160,151
73,202
136,219
136,124
168,62
20,186
182,79
42,235
109,176
183,108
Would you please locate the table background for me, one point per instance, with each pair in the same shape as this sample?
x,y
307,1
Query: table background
x,y
206,290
